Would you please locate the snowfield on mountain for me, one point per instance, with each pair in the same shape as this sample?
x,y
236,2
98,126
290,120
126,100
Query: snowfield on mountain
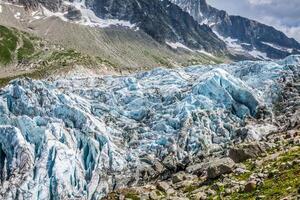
x,y
80,137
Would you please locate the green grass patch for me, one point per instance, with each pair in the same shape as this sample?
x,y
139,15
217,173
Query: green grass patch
x,y
162,61
132,195
26,50
8,45
190,188
244,176
284,183
71,57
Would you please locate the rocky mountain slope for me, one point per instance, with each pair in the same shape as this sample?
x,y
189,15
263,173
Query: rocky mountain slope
x,y
23,54
162,20
242,34
85,136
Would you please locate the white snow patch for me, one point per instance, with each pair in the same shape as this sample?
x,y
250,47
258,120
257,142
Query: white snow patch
x,y
231,43
206,53
246,44
235,46
289,50
176,45
205,21
258,54
17,15
88,17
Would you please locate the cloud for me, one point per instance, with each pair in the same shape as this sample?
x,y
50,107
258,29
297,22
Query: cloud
x,y
282,14
260,2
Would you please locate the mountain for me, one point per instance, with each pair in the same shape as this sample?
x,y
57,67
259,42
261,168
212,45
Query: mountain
x,y
104,45
162,20
83,136
241,34
190,25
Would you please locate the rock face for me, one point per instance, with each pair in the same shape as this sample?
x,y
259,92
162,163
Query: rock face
x,y
249,35
162,20
81,137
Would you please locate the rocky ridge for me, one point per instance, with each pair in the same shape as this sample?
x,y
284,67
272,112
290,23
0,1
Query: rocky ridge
x,y
83,137
242,35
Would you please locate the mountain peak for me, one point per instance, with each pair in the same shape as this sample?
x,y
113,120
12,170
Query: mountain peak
x,y
242,35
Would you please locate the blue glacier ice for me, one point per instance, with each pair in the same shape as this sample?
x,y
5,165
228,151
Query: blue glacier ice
x,y
79,137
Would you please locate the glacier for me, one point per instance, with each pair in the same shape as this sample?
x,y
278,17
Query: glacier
x,y
80,137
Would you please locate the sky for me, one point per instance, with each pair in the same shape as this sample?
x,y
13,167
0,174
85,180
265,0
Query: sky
x,y
282,14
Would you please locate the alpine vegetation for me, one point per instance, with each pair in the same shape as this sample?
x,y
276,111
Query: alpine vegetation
x,y
80,137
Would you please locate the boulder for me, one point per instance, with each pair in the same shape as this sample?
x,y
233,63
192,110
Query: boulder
x,y
163,186
196,168
153,195
157,166
73,14
220,166
170,162
179,177
244,152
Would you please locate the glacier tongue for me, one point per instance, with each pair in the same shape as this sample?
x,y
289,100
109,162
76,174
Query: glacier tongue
x,y
81,137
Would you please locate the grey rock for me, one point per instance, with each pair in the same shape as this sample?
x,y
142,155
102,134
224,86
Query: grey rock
x,y
170,162
178,177
153,195
211,192
196,168
220,166
73,14
245,151
228,191
163,186
158,167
